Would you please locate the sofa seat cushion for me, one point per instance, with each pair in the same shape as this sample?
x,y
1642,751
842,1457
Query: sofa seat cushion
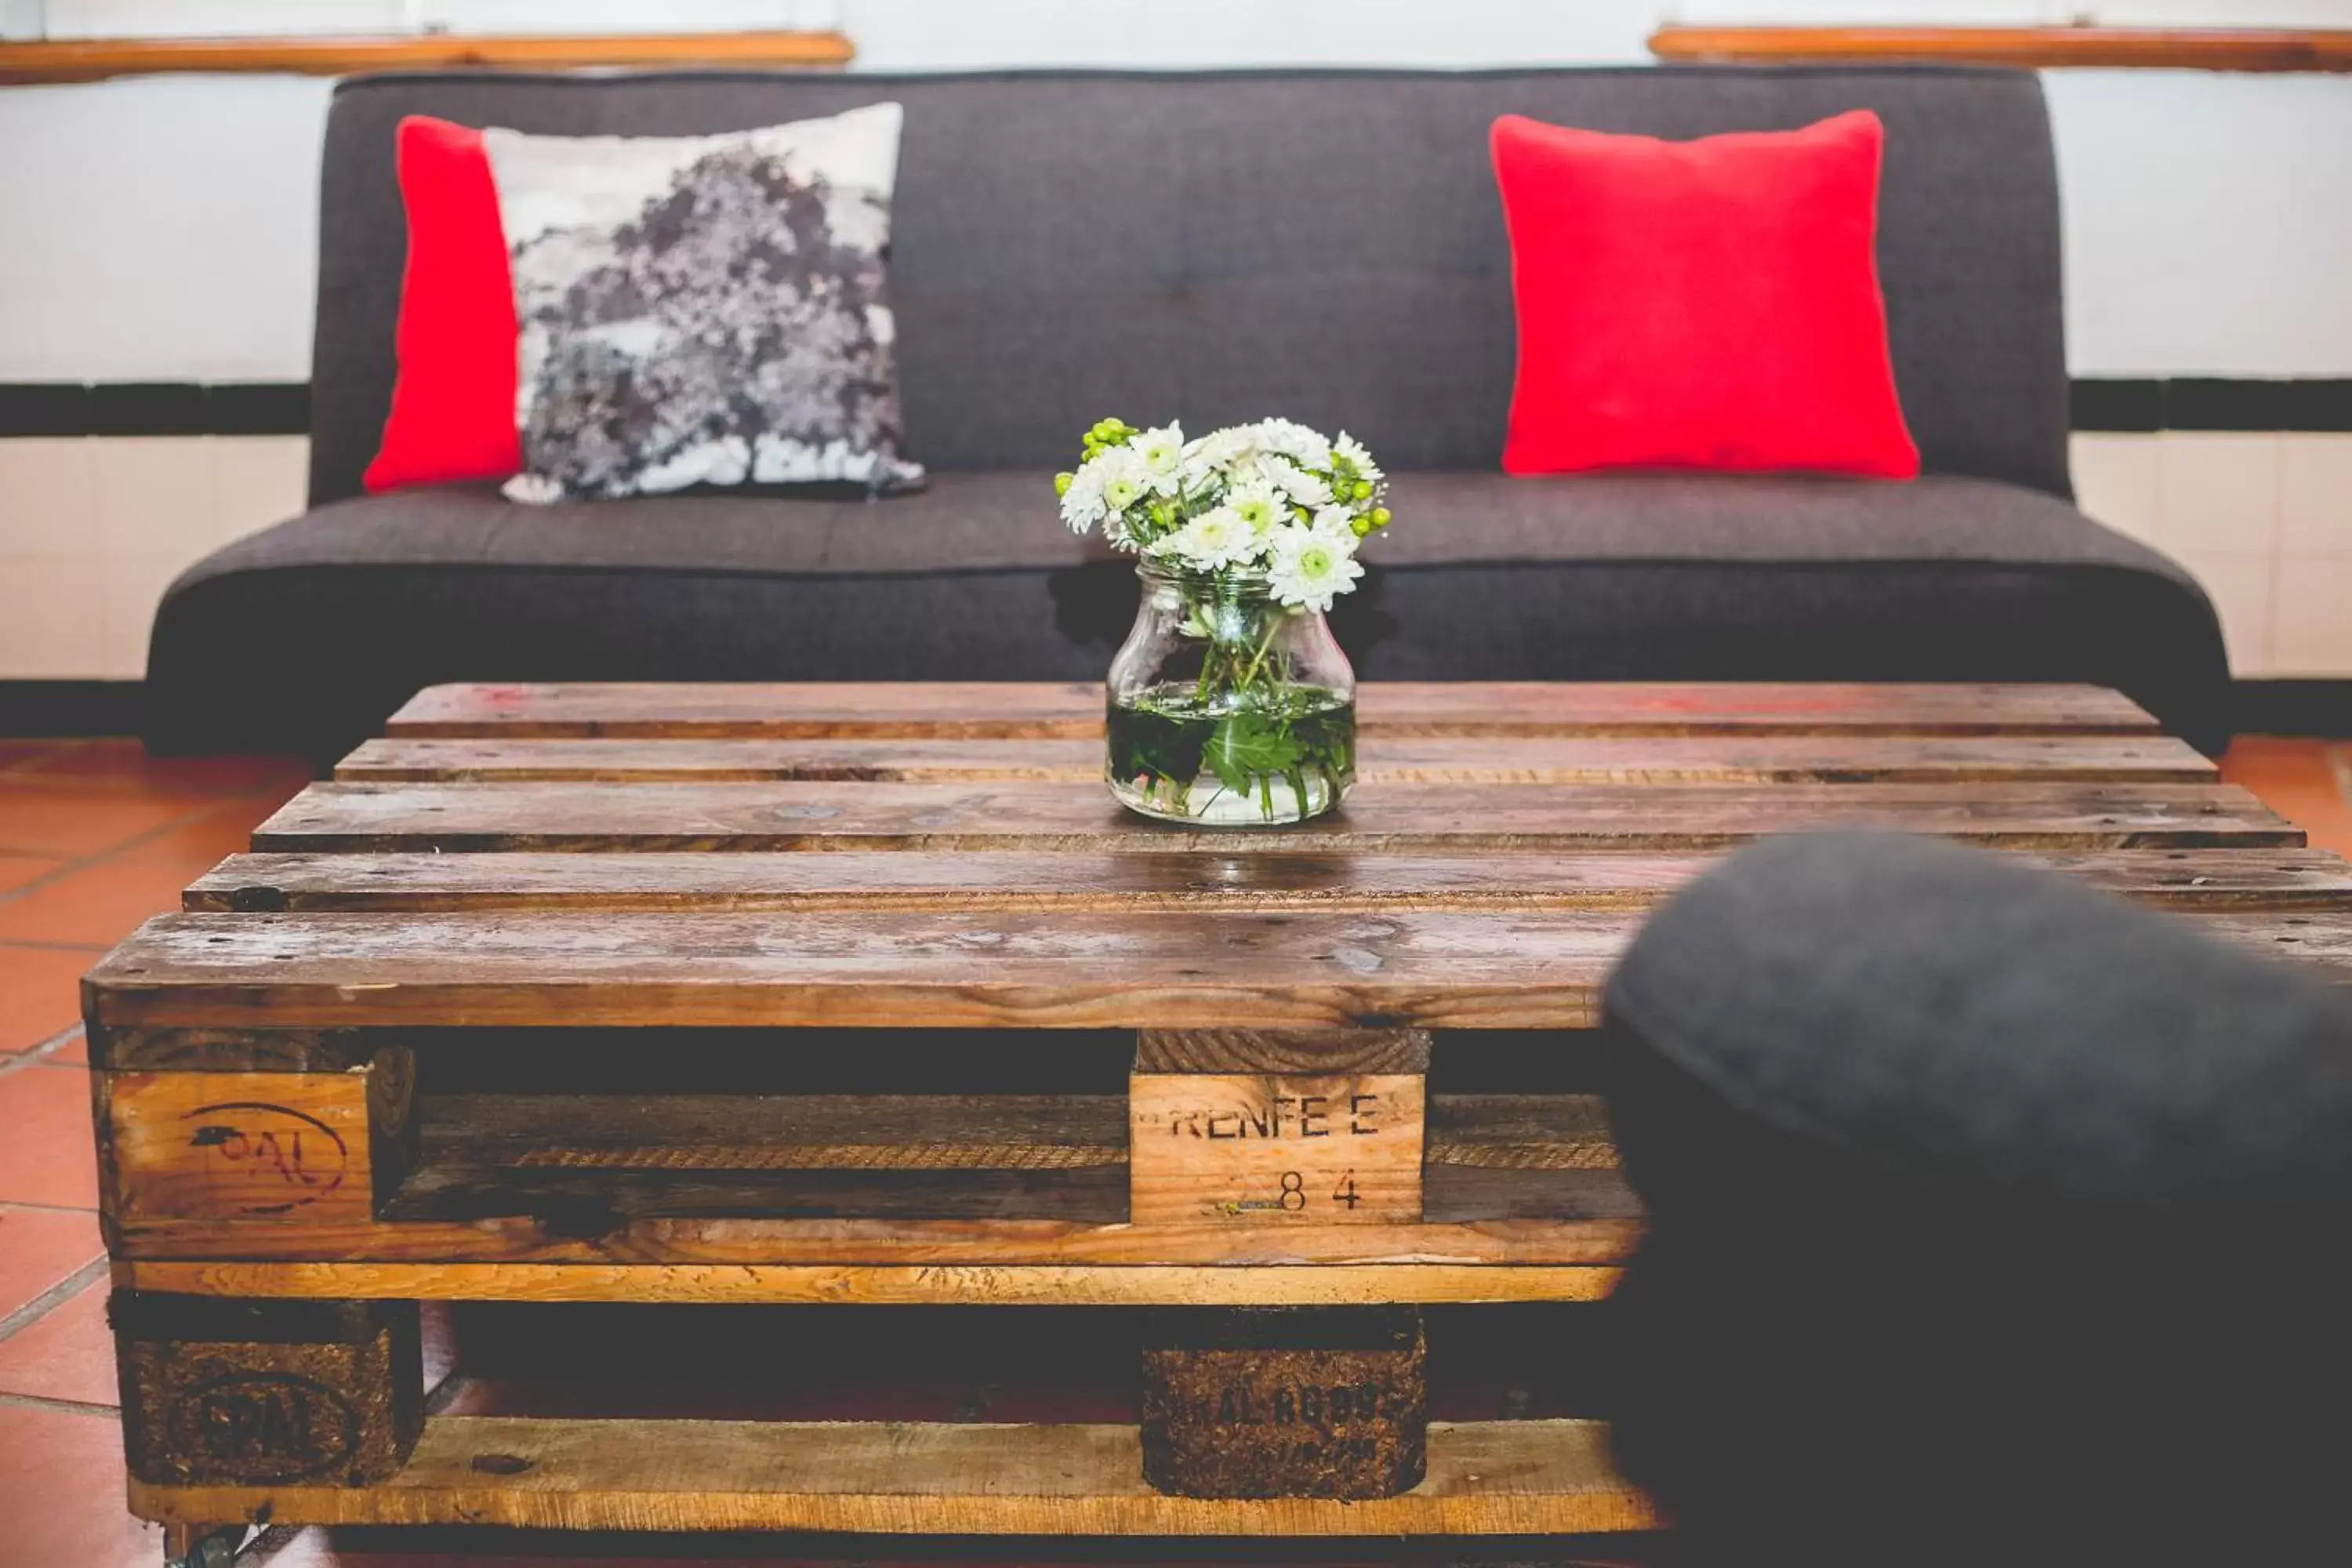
x,y
306,635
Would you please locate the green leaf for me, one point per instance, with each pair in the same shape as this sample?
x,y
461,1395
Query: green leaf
x,y
1248,748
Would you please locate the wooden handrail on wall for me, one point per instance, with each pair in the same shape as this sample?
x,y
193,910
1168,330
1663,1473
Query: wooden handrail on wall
x,y
2173,49
94,59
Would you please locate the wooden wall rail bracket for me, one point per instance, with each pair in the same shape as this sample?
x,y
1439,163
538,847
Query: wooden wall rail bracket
x,y
2166,49
95,59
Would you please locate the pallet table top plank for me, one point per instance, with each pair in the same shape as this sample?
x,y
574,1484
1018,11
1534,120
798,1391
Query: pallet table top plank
x,y
367,882
1514,1477
1074,712
918,969
1015,814
1663,759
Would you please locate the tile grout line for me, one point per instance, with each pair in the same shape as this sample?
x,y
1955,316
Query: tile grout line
x,y
35,945
48,1301
64,1407
15,1061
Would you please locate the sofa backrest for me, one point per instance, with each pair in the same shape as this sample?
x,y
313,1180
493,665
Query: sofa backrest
x,y
1327,245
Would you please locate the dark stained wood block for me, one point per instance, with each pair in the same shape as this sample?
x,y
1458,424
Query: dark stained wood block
x,y
249,1393
1269,1402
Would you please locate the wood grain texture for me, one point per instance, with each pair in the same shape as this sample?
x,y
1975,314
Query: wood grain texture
x,y
1540,970
2161,48
1331,1284
771,1132
1513,1477
1496,818
2265,879
949,1133
1285,1150
977,711
95,59
284,1146
1653,759
591,1163
1282,1051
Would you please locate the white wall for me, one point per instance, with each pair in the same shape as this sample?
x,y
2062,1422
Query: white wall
x,y
162,228
2208,222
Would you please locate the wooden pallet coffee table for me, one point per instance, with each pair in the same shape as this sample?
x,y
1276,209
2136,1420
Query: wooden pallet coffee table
x,y
1186,1066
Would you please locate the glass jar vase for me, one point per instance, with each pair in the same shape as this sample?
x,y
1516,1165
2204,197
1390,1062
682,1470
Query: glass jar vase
x,y
1228,708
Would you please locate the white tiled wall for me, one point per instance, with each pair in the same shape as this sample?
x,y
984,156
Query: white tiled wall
x,y
94,531
2264,521
91,532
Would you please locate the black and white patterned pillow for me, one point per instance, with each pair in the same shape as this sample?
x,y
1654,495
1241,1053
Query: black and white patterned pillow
x,y
704,311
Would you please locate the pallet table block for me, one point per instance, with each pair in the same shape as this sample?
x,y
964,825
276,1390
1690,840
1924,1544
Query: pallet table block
x,y
1269,1128
361,1069
267,1392
1275,1402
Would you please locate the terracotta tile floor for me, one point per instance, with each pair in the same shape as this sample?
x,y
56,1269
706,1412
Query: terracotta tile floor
x,y
94,837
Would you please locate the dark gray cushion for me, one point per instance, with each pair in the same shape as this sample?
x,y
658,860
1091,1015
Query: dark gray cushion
x,y
1219,248
1484,578
1991,1219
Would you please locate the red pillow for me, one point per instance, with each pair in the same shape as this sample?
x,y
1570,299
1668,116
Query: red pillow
x,y
453,406
1707,304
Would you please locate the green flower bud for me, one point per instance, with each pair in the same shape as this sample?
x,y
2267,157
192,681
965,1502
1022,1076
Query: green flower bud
x,y
1363,489
1380,517
1361,526
1062,483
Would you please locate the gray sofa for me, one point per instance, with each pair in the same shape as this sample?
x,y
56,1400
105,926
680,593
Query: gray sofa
x,y
1327,247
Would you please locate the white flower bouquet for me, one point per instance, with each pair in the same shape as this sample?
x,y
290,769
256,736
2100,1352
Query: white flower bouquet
x,y
1273,497
1231,702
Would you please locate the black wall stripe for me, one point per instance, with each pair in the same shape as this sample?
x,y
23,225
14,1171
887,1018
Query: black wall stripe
x,y
283,407
2200,403
155,409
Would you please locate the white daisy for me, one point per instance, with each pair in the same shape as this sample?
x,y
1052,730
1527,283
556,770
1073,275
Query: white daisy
x,y
1312,566
1301,445
1337,522
1161,454
1260,506
1348,447
1204,458
1123,478
1306,489
1082,503
1216,538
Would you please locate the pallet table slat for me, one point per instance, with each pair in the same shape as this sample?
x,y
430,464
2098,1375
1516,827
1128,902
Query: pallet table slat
x,y
1721,758
1022,711
1495,1279
388,882
941,970
1510,1477
1059,816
